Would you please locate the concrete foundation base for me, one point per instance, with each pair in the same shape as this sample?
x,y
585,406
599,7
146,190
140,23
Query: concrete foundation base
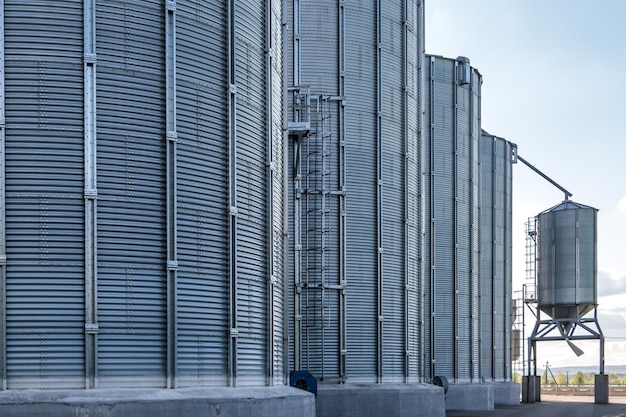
x,y
601,389
470,397
192,402
531,389
506,393
380,400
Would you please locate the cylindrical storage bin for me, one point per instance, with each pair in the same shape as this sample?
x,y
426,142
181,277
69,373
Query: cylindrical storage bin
x,y
451,238
354,111
567,260
143,181
497,156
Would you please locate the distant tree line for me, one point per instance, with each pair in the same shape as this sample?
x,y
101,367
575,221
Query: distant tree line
x,y
579,378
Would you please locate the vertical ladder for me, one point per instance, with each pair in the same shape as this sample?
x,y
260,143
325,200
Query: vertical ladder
x,y
317,230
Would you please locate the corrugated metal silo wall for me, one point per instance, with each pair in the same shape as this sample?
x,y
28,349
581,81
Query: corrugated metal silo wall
x,y
451,239
356,202
496,248
144,211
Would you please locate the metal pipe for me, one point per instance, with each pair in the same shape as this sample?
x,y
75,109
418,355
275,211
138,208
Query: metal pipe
x,y
285,173
433,344
544,176
271,280
494,246
342,197
3,252
474,205
90,194
407,191
455,221
422,220
298,361
171,192
232,201
379,189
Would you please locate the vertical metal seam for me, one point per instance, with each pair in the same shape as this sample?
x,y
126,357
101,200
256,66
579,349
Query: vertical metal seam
x,y
379,188
407,191
493,256
3,253
342,196
285,202
171,137
269,120
431,198
422,183
472,173
90,194
508,293
297,199
455,219
232,188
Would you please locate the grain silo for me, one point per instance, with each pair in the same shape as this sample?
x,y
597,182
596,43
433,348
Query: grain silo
x,y
355,106
567,260
142,193
497,156
451,232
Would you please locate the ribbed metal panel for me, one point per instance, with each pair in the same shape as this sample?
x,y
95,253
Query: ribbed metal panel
x,y
186,220
44,187
361,58
496,162
202,194
567,240
131,191
451,242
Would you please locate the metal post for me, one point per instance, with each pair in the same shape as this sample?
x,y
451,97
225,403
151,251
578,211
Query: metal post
x,y
3,252
286,198
232,175
171,138
342,196
455,220
432,271
270,174
379,188
422,180
297,191
474,204
493,257
90,195
297,238
407,192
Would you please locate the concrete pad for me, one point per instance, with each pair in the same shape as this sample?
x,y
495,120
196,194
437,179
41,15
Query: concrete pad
x,y
470,397
380,400
506,393
601,389
531,389
188,402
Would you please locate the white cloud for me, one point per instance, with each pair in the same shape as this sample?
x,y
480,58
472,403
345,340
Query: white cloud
x,y
621,205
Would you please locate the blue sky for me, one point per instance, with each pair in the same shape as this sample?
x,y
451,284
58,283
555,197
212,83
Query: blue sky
x,y
554,83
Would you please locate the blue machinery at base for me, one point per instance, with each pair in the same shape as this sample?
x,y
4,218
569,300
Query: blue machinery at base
x,y
303,380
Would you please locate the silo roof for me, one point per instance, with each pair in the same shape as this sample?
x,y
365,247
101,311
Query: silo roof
x,y
567,205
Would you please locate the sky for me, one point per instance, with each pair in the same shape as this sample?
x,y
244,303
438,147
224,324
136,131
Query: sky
x,y
554,83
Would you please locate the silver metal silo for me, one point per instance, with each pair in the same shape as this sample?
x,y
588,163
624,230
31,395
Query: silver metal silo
x,y
497,156
143,194
567,260
355,109
451,239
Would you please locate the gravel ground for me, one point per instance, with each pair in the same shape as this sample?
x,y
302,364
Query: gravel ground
x,y
553,406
